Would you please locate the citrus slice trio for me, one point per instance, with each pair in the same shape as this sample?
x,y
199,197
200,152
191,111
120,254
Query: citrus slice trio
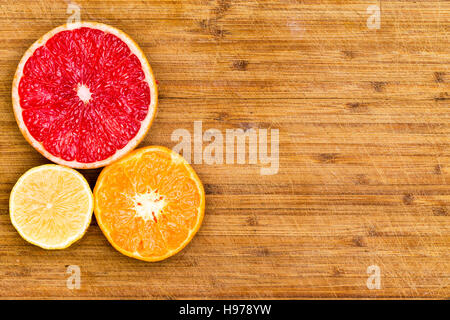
x,y
84,96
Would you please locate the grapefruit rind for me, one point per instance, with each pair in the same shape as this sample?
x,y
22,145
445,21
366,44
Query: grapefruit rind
x,y
70,240
135,154
145,124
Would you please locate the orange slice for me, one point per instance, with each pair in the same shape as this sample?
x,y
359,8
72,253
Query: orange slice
x,y
149,204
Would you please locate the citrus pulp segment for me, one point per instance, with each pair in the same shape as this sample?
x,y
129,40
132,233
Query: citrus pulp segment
x,y
84,95
149,204
51,206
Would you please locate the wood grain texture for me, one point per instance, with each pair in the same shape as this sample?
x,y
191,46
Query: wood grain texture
x,y
364,149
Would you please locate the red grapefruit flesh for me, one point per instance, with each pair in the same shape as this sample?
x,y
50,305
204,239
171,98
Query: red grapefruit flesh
x,y
84,95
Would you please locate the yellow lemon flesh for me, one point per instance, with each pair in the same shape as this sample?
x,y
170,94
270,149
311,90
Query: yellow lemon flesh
x,y
51,206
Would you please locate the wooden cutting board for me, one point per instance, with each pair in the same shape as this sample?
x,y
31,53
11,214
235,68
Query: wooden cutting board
x,y
364,161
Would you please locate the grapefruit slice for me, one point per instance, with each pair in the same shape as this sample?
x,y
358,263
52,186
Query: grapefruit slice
x,y
84,95
51,206
149,204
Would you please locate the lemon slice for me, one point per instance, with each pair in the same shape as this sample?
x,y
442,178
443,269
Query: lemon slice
x,y
51,206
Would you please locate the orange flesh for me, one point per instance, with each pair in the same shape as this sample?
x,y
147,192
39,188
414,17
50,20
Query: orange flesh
x,y
148,205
